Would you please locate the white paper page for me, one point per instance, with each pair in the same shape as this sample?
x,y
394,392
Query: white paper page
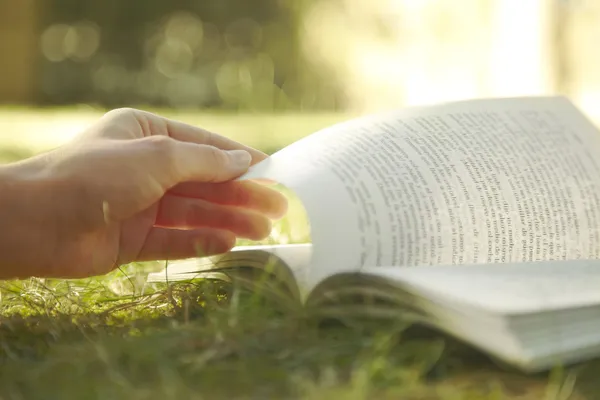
x,y
295,256
510,288
481,181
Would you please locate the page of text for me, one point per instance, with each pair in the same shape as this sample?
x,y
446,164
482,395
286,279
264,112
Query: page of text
x,y
501,180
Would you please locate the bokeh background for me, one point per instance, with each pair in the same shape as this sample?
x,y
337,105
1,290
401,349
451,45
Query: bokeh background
x,y
271,71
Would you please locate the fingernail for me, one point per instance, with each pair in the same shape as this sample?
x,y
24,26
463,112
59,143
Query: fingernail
x,y
240,159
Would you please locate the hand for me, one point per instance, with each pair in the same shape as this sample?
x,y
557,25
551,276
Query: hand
x,y
133,187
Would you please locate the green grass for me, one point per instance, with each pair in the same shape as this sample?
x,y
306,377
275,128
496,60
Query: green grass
x,y
114,337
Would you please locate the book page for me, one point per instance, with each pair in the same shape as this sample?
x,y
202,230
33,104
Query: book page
x,y
484,181
508,288
536,315
296,257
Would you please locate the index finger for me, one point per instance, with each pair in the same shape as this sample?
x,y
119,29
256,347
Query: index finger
x,y
246,194
188,133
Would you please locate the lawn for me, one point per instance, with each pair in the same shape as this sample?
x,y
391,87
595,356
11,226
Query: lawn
x,y
114,337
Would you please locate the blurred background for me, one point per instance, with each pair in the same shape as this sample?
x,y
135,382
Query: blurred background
x,y
270,71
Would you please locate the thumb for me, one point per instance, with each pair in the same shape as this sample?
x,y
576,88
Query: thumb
x,y
204,163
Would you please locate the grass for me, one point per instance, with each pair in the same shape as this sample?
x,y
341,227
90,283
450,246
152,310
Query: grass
x,y
114,337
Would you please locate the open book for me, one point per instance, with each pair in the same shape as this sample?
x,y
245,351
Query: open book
x,y
480,218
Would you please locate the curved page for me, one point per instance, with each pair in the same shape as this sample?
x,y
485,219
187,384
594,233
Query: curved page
x,y
484,181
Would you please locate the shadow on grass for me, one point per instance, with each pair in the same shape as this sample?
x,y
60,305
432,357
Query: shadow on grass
x,y
212,342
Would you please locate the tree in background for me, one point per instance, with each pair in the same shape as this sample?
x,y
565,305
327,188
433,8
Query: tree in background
x,y
227,54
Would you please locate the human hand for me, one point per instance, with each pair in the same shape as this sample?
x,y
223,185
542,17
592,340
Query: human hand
x,y
133,187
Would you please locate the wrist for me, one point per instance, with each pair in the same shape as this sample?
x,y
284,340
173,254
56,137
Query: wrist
x,y
27,220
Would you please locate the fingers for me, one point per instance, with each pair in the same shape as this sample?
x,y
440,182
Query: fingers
x,y
245,194
173,244
183,212
263,181
187,133
177,161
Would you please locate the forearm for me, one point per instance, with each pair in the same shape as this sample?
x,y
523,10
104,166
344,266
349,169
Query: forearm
x,y
25,220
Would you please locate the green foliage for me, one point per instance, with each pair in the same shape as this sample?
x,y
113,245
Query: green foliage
x,y
227,54
211,340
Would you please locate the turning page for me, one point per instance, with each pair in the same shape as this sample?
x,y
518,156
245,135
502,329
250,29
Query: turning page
x,y
483,181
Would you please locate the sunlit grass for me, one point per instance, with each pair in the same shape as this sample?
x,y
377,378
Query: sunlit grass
x,y
115,336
